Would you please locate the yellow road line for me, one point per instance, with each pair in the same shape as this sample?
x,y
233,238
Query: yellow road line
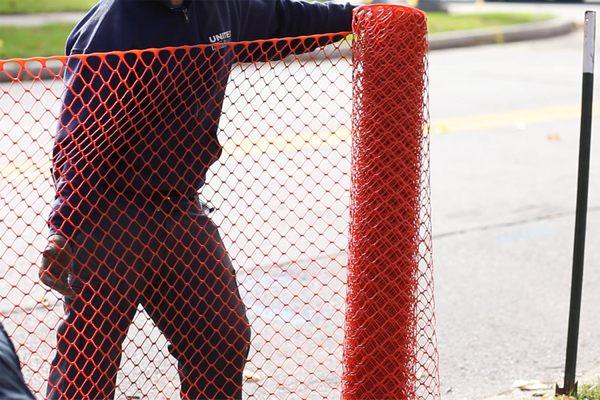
x,y
27,169
243,147
237,148
288,143
514,118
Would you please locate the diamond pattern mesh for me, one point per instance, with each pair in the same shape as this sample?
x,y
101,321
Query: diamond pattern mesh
x,y
206,195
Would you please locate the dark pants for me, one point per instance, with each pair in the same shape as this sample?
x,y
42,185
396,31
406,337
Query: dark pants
x,y
171,260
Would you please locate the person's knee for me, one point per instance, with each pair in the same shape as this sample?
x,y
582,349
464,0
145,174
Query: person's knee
x,y
243,334
234,341
238,331
229,343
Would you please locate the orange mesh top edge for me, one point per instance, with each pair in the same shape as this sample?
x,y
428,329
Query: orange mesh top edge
x,y
63,58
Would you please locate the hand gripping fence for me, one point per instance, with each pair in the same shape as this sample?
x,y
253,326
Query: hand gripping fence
x,y
241,219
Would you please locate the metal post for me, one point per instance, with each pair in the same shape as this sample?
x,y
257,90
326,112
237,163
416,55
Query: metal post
x,y
570,386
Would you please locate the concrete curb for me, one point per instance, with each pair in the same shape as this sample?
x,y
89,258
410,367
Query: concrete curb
x,y
52,69
531,31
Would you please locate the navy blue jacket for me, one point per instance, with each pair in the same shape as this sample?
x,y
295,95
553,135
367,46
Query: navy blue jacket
x,y
147,124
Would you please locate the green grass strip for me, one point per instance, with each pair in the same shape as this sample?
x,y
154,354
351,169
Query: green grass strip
x,y
47,40
43,6
589,392
440,22
36,41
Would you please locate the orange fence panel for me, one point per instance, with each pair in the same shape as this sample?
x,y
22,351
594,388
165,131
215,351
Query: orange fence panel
x,y
232,227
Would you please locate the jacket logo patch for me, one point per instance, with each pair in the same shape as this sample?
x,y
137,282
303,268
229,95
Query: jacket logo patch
x,y
222,37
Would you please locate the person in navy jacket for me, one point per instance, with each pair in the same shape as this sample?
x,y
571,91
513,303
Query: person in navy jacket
x,y
12,384
136,136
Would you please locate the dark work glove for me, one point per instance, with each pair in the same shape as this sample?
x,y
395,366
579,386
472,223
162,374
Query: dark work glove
x,y
56,265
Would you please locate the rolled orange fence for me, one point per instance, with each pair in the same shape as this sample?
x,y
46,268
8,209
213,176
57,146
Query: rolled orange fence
x,y
389,229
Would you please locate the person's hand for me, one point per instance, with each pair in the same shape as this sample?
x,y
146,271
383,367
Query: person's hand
x,y
56,264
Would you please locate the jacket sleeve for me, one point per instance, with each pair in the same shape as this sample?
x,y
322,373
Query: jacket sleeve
x,y
268,19
83,145
271,19
65,214
81,148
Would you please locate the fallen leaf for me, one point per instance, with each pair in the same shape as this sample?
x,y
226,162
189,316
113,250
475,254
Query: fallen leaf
x,y
250,376
531,385
44,302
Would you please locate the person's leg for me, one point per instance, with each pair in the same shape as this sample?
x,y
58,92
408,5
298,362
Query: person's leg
x,y
196,303
106,277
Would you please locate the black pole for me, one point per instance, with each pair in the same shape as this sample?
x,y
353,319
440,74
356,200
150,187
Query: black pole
x,y
570,385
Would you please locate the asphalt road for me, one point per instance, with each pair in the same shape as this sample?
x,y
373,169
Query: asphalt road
x,y
504,162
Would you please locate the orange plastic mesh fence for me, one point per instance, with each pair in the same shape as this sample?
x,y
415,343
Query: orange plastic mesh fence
x,y
389,316
206,195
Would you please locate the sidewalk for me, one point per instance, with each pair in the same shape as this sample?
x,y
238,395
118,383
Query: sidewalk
x,y
39,19
536,390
